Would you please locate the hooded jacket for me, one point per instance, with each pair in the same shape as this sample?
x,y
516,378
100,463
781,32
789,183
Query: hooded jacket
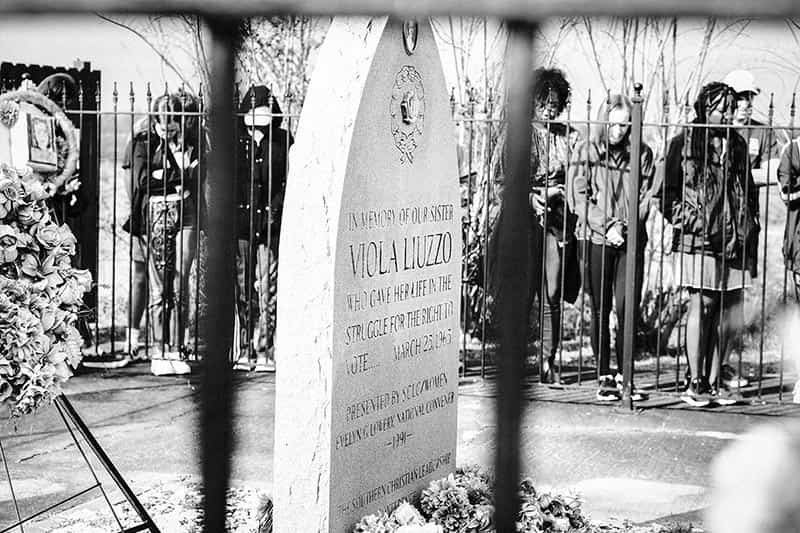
x,y
261,171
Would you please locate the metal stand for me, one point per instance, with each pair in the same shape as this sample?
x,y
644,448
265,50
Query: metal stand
x,y
73,423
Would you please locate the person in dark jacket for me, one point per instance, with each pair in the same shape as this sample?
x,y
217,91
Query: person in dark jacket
x,y
600,177
789,179
167,163
260,188
712,202
553,244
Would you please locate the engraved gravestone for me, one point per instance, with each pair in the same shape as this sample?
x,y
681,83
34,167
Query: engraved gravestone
x,y
369,282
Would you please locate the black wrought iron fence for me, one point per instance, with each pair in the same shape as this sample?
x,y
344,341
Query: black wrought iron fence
x,y
135,257
150,153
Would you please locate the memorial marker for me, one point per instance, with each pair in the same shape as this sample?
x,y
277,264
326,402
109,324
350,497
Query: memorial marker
x,y
368,283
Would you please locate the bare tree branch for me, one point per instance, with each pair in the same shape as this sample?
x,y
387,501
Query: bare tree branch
x,y
588,24
147,41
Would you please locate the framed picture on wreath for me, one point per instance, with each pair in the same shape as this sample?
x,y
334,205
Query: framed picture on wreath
x,y
42,140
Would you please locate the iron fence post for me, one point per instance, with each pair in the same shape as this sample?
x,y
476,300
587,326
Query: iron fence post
x,y
631,259
216,395
513,264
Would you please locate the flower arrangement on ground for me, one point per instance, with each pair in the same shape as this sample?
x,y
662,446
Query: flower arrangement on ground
x,y
463,503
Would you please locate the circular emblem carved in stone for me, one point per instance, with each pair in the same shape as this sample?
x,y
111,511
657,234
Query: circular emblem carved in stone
x,y
410,33
407,110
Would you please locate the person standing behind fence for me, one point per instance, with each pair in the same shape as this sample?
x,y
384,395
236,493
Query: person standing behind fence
x,y
789,179
166,166
260,188
138,295
601,174
552,236
763,143
764,147
712,202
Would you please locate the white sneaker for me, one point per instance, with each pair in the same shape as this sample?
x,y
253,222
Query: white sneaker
x,y
243,364
265,362
796,392
265,365
170,367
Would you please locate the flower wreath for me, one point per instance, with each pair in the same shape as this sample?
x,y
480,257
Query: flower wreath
x,y
41,293
9,112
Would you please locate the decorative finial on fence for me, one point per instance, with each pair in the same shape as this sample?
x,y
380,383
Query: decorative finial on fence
x,y
80,95
149,97
637,90
472,99
131,95
115,96
792,108
452,101
97,94
771,113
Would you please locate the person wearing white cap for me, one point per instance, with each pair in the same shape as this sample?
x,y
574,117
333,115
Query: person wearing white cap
x,y
762,144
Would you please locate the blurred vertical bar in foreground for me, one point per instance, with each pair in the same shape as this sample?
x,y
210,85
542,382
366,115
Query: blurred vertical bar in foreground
x,y
513,264
219,278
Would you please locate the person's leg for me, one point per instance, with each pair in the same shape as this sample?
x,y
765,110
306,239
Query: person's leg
x,y
138,292
535,277
157,263
240,308
265,303
551,319
701,318
619,280
164,229
601,284
729,324
185,252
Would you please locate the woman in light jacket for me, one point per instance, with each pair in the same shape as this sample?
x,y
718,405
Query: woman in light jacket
x,y
600,177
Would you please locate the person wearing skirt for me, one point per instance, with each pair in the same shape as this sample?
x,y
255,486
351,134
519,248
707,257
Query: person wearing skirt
x,y
712,202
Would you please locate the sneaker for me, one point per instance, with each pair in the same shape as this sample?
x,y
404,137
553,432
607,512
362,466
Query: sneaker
x,y
638,395
170,366
723,396
608,391
732,379
696,394
796,392
243,364
265,360
112,357
264,365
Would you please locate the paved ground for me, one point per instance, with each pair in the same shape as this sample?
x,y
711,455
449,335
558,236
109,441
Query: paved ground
x,y
645,467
